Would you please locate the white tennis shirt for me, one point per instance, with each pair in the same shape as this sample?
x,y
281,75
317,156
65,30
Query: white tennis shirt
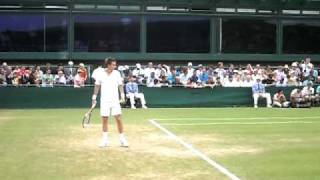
x,y
109,86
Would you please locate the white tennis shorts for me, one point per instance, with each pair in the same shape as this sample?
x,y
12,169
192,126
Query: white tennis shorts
x,y
107,109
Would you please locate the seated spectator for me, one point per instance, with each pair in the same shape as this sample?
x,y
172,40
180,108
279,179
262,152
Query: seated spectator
x,y
172,76
47,79
297,99
3,80
308,93
151,80
184,79
132,92
149,70
70,72
78,81
248,82
258,90
138,72
228,81
279,99
60,78
194,81
82,72
204,76
37,75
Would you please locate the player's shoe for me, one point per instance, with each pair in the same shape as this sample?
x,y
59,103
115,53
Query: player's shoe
x,y
269,106
144,107
124,142
255,106
133,107
104,144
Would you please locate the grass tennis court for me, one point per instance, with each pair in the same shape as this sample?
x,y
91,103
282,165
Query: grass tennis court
x,y
250,143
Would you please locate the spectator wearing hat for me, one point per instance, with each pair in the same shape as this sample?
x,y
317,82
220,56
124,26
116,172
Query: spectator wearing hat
x,y
132,92
258,91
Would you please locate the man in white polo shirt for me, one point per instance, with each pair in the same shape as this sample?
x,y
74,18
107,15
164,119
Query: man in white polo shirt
x,y
110,83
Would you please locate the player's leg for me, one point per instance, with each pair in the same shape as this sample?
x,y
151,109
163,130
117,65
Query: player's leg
x,y
116,112
105,113
142,99
105,140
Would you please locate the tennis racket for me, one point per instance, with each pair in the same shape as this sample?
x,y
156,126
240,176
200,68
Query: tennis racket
x,y
87,117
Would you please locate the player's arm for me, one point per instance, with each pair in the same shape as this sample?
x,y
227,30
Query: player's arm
x,y
95,93
121,89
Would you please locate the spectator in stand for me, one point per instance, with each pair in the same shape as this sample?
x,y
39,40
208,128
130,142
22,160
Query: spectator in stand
x,y
184,79
297,99
172,76
78,81
190,70
308,93
306,66
82,72
220,70
16,78
60,78
248,82
149,70
47,79
70,72
228,81
132,92
138,73
194,81
37,75
279,99
3,80
151,80
204,76
258,90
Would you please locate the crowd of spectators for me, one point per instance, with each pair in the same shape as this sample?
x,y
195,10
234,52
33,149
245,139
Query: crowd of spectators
x,y
297,74
46,76
190,75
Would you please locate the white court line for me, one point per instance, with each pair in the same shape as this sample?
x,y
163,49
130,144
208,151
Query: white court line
x,y
196,152
238,123
239,118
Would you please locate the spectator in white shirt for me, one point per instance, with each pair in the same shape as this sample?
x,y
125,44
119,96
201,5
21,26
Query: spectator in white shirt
x,y
60,78
279,99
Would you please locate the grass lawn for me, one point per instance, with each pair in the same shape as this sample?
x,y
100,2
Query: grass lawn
x,y
251,143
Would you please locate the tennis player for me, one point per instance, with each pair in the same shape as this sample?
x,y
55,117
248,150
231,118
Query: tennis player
x,y
110,83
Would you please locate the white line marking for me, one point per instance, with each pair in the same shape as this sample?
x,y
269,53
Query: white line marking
x,y
240,118
196,152
238,123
